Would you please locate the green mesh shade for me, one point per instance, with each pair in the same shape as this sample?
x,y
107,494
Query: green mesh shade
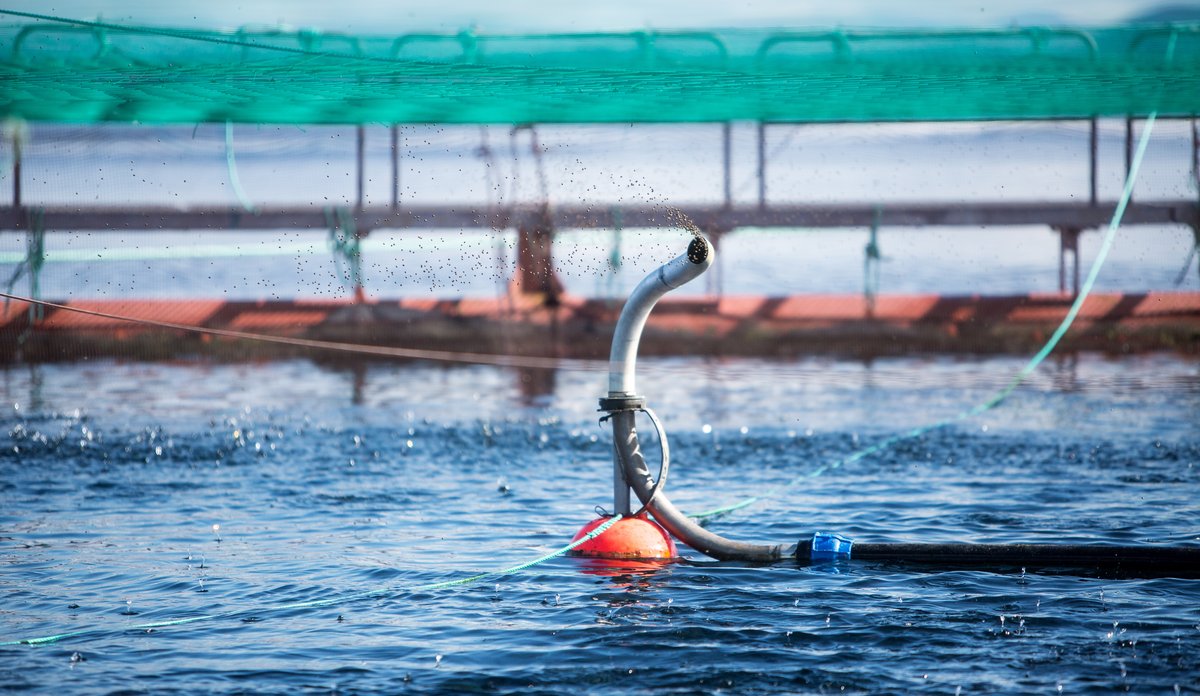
x,y
85,72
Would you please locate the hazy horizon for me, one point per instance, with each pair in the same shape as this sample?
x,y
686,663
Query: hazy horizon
x,y
375,16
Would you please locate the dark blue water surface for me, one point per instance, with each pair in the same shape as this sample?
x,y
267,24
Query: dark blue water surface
x,y
327,481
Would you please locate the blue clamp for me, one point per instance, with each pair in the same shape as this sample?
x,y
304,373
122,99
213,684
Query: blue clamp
x,y
830,547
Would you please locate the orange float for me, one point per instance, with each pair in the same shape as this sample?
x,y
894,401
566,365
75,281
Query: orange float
x,y
636,537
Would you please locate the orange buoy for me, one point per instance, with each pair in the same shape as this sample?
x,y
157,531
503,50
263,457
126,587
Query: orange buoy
x,y
632,538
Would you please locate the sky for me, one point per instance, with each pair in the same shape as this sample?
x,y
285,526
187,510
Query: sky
x,y
495,16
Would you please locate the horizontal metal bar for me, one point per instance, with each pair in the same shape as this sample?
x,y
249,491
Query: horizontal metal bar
x,y
708,217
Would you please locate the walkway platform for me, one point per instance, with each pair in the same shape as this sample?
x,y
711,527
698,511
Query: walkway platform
x,y
580,328
710,218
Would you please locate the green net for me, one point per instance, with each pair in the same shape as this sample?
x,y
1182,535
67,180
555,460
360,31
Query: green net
x,y
55,70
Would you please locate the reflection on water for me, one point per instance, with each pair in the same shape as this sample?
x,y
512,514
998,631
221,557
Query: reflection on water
x,y
623,573
536,385
818,394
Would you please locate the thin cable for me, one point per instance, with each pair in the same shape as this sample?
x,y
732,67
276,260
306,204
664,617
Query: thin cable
x,y
1000,396
665,461
388,591
360,349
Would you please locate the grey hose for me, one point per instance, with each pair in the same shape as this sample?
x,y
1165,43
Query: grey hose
x,y
680,526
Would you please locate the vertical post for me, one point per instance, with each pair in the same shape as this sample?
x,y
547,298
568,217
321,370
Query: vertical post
x,y
1068,241
1195,153
535,274
360,142
1128,148
762,164
395,166
727,151
623,421
1093,142
1075,262
16,145
1062,263
871,260
360,294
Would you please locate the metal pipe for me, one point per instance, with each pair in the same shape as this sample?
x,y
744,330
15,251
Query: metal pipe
x,y
969,217
622,359
628,333
621,504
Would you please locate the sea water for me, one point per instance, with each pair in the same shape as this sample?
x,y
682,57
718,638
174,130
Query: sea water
x,y
303,506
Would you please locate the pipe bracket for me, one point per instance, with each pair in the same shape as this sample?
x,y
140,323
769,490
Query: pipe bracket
x,y
613,404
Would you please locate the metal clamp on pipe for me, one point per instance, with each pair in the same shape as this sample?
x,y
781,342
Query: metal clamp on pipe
x,y
622,403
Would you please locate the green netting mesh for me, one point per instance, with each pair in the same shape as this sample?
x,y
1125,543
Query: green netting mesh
x,y
87,72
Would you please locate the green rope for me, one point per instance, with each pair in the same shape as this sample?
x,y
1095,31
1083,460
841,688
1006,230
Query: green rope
x,y
871,261
234,181
614,255
382,592
31,263
1000,396
345,244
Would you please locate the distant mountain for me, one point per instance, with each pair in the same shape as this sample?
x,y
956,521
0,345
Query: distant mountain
x,y
1169,13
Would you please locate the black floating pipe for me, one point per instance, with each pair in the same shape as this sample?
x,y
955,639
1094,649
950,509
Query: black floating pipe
x,y
1138,559
1130,561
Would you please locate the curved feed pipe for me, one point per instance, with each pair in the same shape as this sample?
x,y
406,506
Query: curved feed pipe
x,y
673,274
623,402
